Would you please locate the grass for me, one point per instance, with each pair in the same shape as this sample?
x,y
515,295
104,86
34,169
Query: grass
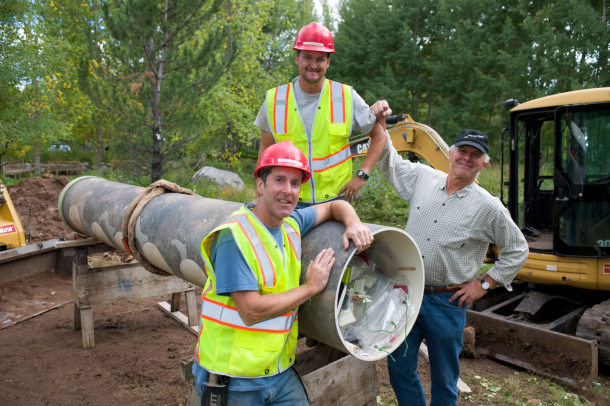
x,y
520,389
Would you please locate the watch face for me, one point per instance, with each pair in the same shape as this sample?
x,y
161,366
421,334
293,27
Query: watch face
x,y
485,285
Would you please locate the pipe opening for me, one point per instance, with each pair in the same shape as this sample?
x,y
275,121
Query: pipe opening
x,y
371,316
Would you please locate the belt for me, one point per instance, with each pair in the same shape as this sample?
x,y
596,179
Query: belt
x,y
427,289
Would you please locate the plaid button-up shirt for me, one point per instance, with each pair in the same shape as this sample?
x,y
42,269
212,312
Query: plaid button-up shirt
x,y
453,232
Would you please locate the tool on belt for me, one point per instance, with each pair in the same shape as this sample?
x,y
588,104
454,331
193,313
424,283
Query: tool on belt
x,y
217,391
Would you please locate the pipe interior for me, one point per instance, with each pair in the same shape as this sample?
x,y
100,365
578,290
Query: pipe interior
x,y
404,253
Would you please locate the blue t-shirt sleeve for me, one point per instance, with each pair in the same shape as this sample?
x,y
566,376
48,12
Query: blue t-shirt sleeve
x,y
232,271
305,218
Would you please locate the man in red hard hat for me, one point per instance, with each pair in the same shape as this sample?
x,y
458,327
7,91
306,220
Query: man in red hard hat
x,y
318,115
249,304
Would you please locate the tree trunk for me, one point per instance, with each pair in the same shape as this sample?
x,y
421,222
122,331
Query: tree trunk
x,y
157,161
430,101
36,158
229,44
100,146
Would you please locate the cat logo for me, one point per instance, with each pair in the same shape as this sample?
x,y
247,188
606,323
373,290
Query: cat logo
x,y
7,229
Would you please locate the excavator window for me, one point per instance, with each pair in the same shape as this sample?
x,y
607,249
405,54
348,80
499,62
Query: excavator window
x,y
582,199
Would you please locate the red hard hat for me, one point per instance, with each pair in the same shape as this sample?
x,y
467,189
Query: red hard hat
x,y
314,37
284,154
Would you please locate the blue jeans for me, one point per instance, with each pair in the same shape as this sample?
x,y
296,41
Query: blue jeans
x,y
287,391
441,323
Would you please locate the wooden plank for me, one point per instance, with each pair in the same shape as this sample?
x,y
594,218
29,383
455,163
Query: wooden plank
x,y
174,302
186,368
76,243
124,282
26,266
191,307
193,398
348,381
86,315
179,317
461,385
312,359
76,321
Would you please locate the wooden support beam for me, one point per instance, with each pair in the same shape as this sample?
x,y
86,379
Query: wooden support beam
x,y
191,308
175,302
86,315
76,321
179,317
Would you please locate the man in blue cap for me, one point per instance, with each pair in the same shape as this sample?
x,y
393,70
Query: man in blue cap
x,y
453,220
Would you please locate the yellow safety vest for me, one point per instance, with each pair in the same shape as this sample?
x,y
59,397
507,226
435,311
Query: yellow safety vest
x,y
227,345
327,152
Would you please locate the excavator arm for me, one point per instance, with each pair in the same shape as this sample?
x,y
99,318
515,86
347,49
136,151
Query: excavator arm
x,y
409,136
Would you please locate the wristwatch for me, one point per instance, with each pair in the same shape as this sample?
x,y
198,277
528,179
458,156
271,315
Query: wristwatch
x,y
485,285
362,174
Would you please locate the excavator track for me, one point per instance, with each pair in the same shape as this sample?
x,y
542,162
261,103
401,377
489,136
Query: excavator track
x,y
595,325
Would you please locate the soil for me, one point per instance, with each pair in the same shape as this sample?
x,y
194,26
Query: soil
x,y
35,200
36,294
540,356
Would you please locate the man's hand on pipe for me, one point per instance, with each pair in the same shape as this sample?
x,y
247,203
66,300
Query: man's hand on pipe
x,y
360,234
318,270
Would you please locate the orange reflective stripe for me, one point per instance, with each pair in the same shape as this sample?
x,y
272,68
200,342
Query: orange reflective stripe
x,y
286,110
266,253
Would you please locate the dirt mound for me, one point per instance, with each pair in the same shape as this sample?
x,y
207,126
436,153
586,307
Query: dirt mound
x,y
35,200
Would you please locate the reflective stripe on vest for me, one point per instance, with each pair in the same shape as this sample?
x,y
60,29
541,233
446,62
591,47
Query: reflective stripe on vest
x,y
294,239
261,253
280,109
229,316
321,164
337,102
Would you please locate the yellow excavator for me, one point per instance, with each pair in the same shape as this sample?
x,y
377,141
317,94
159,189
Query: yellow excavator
x,y
11,230
558,192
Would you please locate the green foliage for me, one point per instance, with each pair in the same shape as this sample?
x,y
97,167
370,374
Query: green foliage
x,y
149,66
451,63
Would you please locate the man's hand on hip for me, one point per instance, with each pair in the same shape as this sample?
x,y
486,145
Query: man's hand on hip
x,y
469,291
352,188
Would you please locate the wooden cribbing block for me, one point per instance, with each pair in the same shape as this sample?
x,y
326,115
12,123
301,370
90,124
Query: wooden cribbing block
x,y
97,286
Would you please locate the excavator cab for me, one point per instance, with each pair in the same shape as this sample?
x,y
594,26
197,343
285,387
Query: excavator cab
x,y
559,181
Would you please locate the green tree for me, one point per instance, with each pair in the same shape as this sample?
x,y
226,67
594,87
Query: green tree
x,y
39,95
156,68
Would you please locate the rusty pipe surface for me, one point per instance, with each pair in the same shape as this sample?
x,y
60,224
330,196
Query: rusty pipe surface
x,y
171,227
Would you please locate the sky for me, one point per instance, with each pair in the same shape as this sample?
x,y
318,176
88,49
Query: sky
x,y
333,3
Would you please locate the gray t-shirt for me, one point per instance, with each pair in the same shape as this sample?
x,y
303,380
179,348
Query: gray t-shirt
x,y
362,119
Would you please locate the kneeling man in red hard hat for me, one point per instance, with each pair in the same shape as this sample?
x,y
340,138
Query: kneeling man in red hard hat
x,y
318,115
249,304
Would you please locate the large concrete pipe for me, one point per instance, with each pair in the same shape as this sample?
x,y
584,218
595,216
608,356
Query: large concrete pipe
x,y
171,227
